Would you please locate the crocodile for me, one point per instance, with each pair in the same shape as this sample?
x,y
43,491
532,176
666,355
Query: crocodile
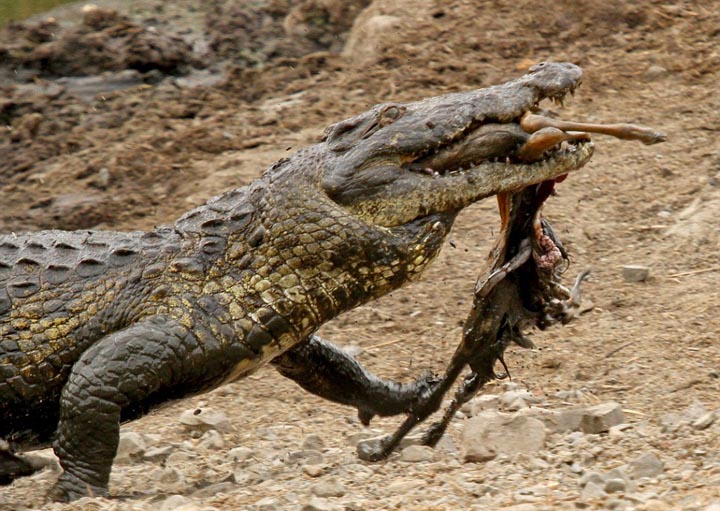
x,y
97,327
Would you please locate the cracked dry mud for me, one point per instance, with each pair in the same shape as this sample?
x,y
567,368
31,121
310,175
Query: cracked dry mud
x,y
150,146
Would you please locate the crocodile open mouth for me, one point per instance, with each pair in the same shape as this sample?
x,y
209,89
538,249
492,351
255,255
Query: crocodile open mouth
x,y
531,140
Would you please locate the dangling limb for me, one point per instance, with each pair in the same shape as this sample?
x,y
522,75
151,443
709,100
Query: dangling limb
x,y
331,373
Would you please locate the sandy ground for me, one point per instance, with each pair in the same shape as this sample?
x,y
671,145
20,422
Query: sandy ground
x,y
245,86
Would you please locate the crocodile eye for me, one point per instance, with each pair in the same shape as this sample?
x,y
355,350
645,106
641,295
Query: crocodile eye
x,y
391,114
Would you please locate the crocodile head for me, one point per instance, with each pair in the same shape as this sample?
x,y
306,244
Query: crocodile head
x,y
399,162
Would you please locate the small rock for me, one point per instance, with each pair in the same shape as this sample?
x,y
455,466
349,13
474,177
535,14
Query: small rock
x,y
211,440
655,505
492,433
593,491
313,443
158,453
694,411
318,504
308,457
646,465
131,447
593,477
404,487
268,504
416,453
174,502
635,273
654,72
704,421
313,470
239,454
600,418
329,488
214,489
168,475
480,403
615,485
205,419
178,458
712,507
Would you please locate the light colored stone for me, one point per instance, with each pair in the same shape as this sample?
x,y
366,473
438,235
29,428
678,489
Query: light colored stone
x,y
241,453
592,491
646,465
635,273
600,418
268,504
318,504
713,507
211,440
416,453
480,403
593,477
158,453
313,470
130,447
492,433
313,442
307,457
655,505
174,502
403,486
329,488
615,485
704,421
655,72
556,421
205,419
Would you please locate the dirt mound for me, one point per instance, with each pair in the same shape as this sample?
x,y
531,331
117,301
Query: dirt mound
x,y
104,41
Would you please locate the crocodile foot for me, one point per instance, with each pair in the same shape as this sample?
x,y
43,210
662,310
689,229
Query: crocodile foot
x,y
70,487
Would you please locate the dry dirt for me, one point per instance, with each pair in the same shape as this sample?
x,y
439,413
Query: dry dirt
x,y
217,93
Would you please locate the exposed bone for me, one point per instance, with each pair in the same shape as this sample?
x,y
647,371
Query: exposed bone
x,y
544,139
533,123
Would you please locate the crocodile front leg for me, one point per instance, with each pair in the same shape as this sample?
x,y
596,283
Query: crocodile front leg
x,y
331,373
121,377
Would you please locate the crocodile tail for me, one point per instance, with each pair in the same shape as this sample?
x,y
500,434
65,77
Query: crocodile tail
x,y
13,466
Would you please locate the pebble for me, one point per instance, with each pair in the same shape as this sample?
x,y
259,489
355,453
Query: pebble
x,y
492,433
205,419
241,453
318,504
704,421
158,453
211,440
268,504
592,491
417,453
592,477
313,443
646,465
306,457
174,502
313,470
600,418
615,485
130,447
329,488
654,72
635,273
